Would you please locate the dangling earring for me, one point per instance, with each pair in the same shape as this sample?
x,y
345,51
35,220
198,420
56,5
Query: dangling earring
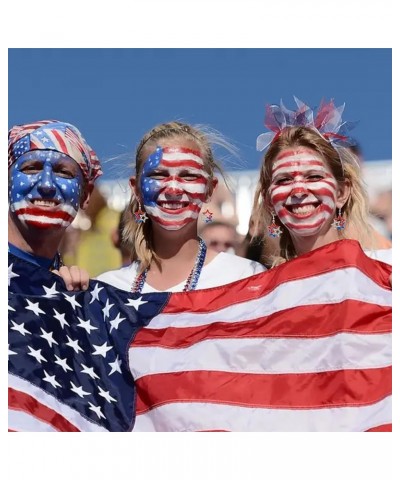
x,y
139,215
207,216
274,230
339,222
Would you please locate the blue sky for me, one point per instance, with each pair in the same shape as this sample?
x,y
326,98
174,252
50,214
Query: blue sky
x,y
115,95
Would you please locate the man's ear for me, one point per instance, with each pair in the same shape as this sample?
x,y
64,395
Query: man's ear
x,y
344,191
87,191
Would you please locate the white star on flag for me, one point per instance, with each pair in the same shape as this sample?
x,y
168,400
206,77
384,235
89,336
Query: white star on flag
x,y
20,328
61,318
86,325
50,292
34,307
115,323
10,352
51,379
115,366
48,336
95,293
107,308
101,349
72,301
105,394
37,354
135,303
74,344
78,390
11,274
96,410
89,371
63,363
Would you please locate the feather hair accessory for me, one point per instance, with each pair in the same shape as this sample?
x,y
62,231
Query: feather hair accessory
x,y
326,119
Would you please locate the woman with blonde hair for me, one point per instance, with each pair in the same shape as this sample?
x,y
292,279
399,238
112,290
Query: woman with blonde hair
x,y
310,192
174,176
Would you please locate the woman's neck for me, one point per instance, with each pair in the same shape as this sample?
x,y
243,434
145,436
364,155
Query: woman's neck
x,y
307,244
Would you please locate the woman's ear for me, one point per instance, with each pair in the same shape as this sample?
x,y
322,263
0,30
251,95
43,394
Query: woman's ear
x,y
343,195
133,185
211,188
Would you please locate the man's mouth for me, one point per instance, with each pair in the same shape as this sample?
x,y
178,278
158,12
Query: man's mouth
x,y
44,203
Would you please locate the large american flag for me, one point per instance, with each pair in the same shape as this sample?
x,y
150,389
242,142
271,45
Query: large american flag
x,y
302,347
68,352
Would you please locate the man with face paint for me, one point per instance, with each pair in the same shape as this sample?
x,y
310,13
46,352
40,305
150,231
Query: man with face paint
x,y
51,175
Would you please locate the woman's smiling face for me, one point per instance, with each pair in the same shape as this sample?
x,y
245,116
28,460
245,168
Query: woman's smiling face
x,y
303,191
174,184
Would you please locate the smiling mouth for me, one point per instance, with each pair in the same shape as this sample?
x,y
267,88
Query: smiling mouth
x,y
172,205
303,211
44,203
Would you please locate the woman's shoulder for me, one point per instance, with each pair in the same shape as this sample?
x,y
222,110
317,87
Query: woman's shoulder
x,y
234,266
383,255
121,278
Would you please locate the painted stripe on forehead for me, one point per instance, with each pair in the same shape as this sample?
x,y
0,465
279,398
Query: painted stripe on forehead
x,y
179,154
295,162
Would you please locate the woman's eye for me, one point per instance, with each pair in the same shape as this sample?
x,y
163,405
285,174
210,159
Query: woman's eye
x,y
314,178
189,177
283,181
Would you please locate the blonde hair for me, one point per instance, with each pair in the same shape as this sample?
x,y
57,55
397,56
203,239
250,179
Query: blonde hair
x,y
344,166
140,234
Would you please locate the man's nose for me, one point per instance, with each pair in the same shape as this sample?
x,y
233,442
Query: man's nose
x,y
46,185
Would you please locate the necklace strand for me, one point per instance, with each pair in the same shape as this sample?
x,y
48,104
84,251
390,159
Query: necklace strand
x,y
192,279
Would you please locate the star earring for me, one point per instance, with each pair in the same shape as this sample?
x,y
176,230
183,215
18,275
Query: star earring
x,y
339,222
207,216
139,215
274,230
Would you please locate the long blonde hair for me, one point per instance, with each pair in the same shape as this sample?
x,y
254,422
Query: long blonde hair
x,y
343,164
140,234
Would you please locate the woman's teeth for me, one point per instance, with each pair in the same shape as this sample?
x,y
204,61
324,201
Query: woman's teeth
x,y
302,210
44,203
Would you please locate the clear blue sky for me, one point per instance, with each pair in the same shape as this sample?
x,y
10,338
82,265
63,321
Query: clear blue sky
x,y
115,95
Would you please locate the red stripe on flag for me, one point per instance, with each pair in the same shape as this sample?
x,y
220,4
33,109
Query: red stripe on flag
x,y
381,428
328,319
61,141
342,388
323,260
23,402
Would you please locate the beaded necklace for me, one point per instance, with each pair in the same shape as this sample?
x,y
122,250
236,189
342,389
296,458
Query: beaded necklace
x,y
191,281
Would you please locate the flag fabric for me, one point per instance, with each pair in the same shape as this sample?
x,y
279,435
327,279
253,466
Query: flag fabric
x,y
305,346
68,352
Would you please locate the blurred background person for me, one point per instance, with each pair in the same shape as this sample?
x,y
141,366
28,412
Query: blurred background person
x,y
220,236
125,248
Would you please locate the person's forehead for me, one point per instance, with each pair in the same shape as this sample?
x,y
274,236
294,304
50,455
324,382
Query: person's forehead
x,y
47,155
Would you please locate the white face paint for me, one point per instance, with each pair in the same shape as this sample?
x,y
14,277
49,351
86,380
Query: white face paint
x,y
174,186
303,191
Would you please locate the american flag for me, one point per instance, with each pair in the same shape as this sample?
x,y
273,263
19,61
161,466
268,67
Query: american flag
x,y
303,347
68,352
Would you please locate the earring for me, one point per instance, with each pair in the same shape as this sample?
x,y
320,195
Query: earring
x,y
274,230
207,216
139,215
339,221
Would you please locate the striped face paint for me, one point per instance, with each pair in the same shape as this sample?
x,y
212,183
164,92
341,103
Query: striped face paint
x,y
174,186
303,191
45,189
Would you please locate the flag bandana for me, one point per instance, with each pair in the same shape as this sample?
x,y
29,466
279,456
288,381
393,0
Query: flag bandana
x,y
302,347
54,135
68,360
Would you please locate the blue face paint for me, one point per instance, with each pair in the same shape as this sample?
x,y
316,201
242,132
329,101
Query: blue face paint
x,y
149,187
45,188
